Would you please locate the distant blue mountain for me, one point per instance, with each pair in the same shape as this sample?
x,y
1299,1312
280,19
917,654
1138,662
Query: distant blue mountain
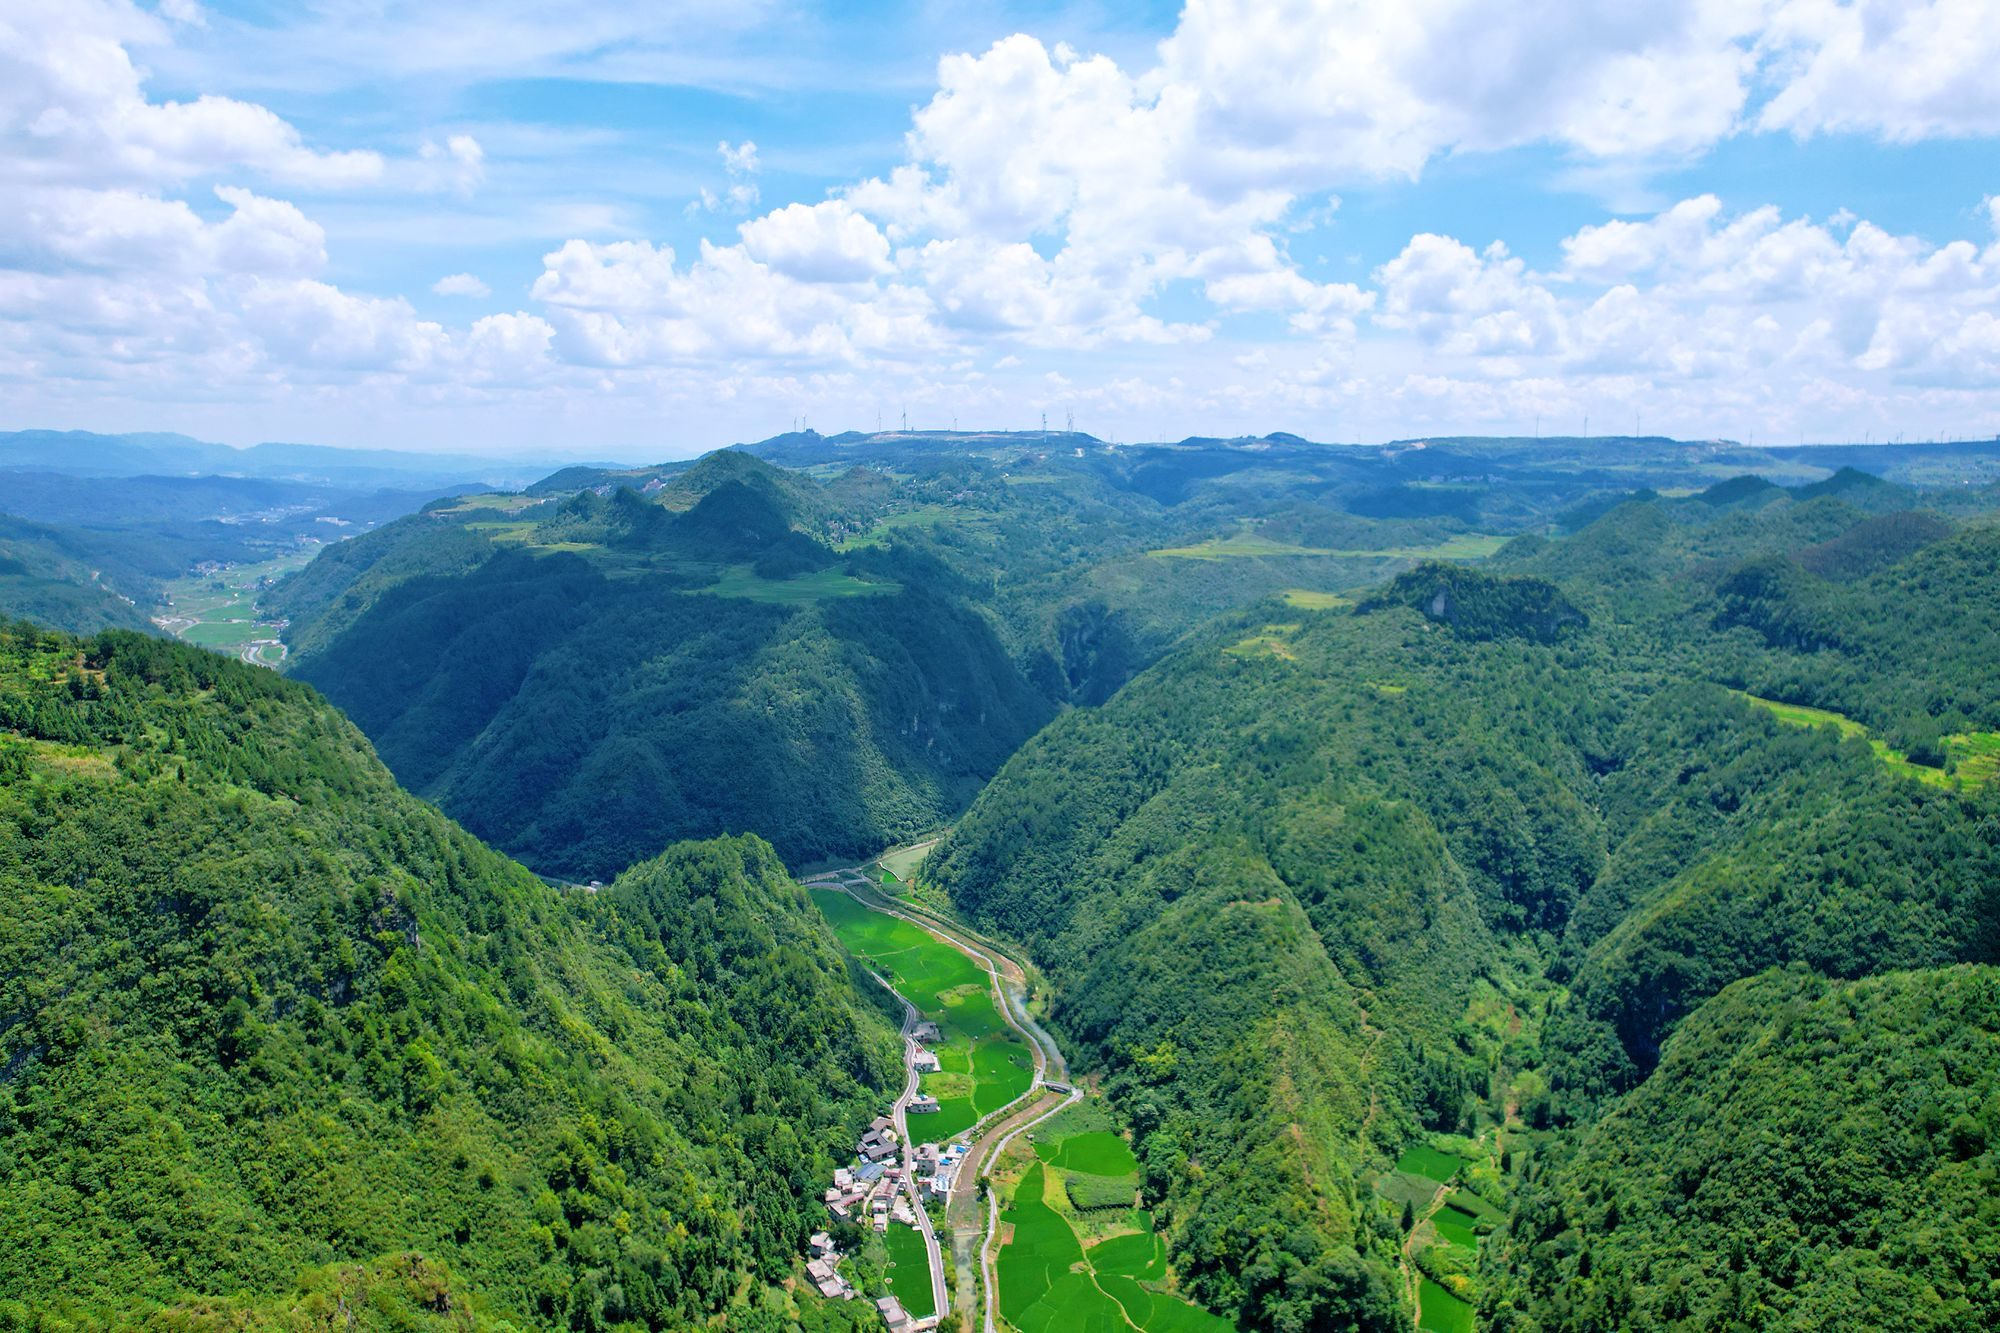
x,y
81,453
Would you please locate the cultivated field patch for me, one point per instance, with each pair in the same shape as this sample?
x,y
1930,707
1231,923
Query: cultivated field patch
x,y
1100,1153
982,1065
910,1271
1420,1159
1049,1281
1441,1312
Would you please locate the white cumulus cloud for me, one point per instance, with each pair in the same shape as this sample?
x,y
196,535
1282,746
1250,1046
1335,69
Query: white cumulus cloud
x,y
461,284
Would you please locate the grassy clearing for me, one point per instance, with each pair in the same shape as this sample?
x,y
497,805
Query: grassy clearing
x,y
1420,1159
1271,641
1305,599
1247,544
1440,1311
923,516
903,862
983,1065
521,533
511,532
1976,754
909,1270
744,581
494,501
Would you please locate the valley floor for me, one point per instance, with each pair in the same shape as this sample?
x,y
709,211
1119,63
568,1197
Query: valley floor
x,y
1070,1249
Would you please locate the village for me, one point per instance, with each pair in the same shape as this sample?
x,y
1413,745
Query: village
x,y
887,1182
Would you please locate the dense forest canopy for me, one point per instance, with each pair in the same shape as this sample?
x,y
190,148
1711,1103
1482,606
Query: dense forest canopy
x,y
1611,831
266,1022
1306,888
840,652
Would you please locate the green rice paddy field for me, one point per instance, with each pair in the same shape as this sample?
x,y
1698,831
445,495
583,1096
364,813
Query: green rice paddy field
x,y
1440,1311
1420,1159
1049,1280
910,1271
984,1065
1421,1173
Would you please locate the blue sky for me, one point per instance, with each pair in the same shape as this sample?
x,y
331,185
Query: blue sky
x,y
604,229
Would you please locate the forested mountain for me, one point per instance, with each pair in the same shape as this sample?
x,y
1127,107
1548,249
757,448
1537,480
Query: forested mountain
x,y
838,653
1810,1154
1312,882
1621,818
281,1047
56,577
590,681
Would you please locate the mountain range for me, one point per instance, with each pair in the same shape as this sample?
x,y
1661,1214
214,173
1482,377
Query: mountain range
x,y
1527,885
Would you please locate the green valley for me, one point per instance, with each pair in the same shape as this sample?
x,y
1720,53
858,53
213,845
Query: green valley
x,y
1318,910
983,1065
519,813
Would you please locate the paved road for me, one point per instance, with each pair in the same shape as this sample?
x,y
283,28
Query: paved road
x,y
940,1297
993,1204
994,1131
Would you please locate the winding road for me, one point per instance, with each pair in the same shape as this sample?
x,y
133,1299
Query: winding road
x,y
940,1298
990,1136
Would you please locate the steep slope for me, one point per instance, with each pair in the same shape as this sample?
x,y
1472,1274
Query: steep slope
x,y
1472,801
1268,880
597,677
262,1012
1809,1155
56,577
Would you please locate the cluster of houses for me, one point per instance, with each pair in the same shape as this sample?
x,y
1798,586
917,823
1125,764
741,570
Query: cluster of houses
x,y
872,1189
936,1168
832,1285
820,1268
